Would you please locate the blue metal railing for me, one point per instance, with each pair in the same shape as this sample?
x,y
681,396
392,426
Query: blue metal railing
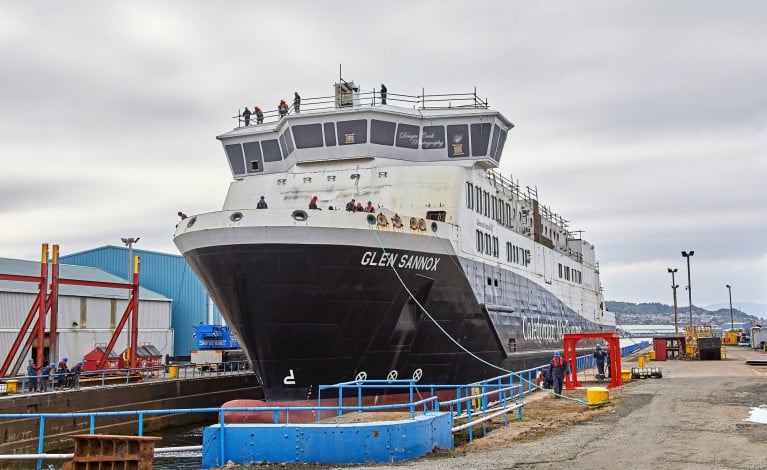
x,y
508,390
147,373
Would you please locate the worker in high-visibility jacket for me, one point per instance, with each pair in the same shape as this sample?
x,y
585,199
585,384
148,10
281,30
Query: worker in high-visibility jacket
x,y
558,367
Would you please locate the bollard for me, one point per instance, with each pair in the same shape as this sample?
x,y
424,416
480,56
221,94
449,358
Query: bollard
x,y
641,361
597,396
625,376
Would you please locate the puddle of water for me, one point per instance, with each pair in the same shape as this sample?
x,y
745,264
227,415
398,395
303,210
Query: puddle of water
x,y
758,415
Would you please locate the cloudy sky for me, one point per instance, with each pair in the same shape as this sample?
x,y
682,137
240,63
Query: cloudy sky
x,y
643,123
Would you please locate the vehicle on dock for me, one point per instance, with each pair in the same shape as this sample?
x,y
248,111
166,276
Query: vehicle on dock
x,y
451,271
217,345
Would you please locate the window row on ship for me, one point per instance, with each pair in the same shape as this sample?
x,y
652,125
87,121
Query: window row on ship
x,y
488,244
458,140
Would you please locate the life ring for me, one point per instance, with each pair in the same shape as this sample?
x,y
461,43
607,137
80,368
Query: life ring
x,y
382,222
422,225
396,221
413,223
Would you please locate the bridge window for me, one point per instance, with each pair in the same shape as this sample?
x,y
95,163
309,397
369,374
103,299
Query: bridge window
x,y
433,137
289,140
253,156
284,145
480,136
330,134
408,136
352,132
501,143
308,135
458,137
234,153
382,132
271,150
494,145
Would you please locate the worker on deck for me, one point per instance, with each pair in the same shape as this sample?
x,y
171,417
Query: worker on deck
x,y
61,372
32,373
557,369
600,355
313,203
261,203
246,116
370,208
75,372
259,115
45,376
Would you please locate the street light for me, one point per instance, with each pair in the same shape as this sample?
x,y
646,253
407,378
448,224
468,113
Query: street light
x,y
129,243
732,322
689,284
673,287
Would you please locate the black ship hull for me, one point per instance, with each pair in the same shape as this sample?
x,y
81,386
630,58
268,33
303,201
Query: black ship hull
x,y
318,314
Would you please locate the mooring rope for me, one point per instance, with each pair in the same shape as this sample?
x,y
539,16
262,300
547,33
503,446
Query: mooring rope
x,y
521,378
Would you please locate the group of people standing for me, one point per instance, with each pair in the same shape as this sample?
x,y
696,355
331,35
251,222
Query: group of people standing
x,y
353,206
60,375
282,110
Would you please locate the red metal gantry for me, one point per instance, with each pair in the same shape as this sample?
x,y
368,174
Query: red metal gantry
x,y
571,340
43,304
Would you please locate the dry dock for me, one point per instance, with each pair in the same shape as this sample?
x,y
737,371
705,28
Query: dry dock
x,y
692,418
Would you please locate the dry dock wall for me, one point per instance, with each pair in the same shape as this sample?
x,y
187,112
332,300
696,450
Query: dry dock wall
x,y
21,435
340,444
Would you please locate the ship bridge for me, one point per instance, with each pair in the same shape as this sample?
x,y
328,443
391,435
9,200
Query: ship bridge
x,y
457,128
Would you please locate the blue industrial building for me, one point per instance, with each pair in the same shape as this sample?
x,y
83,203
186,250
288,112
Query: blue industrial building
x,y
168,274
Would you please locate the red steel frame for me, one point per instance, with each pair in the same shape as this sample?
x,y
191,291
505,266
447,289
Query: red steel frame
x,y
44,304
571,340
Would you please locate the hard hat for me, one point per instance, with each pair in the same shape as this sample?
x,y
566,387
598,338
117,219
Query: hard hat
x,y
370,202
262,196
53,365
79,362
598,346
31,360
556,353
64,359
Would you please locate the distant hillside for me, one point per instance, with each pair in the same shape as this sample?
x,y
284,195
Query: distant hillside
x,y
660,314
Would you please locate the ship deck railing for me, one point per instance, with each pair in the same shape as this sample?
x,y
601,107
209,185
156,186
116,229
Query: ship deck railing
x,y
111,377
370,99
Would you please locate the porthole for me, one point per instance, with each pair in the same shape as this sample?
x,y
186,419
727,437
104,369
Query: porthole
x,y
299,215
371,219
434,227
236,217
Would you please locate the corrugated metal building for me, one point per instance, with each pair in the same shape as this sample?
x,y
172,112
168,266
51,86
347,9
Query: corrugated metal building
x,y
165,273
87,315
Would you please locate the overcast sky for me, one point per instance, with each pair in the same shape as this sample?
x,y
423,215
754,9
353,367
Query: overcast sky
x,y
642,123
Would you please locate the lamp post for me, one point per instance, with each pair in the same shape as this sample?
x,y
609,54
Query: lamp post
x,y
673,287
688,255
732,322
129,243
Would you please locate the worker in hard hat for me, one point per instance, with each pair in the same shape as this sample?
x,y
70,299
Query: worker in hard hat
x,y
600,355
557,369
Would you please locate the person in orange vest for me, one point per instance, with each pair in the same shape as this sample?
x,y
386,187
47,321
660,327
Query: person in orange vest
x,y
61,372
282,108
370,208
313,203
557,369
259,115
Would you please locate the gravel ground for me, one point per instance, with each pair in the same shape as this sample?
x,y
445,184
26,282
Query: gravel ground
x,y
692,418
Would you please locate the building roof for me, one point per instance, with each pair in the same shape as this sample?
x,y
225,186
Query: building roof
x,y
68,271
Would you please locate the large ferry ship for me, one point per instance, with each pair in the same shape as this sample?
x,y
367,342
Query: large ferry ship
x,y
456,264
